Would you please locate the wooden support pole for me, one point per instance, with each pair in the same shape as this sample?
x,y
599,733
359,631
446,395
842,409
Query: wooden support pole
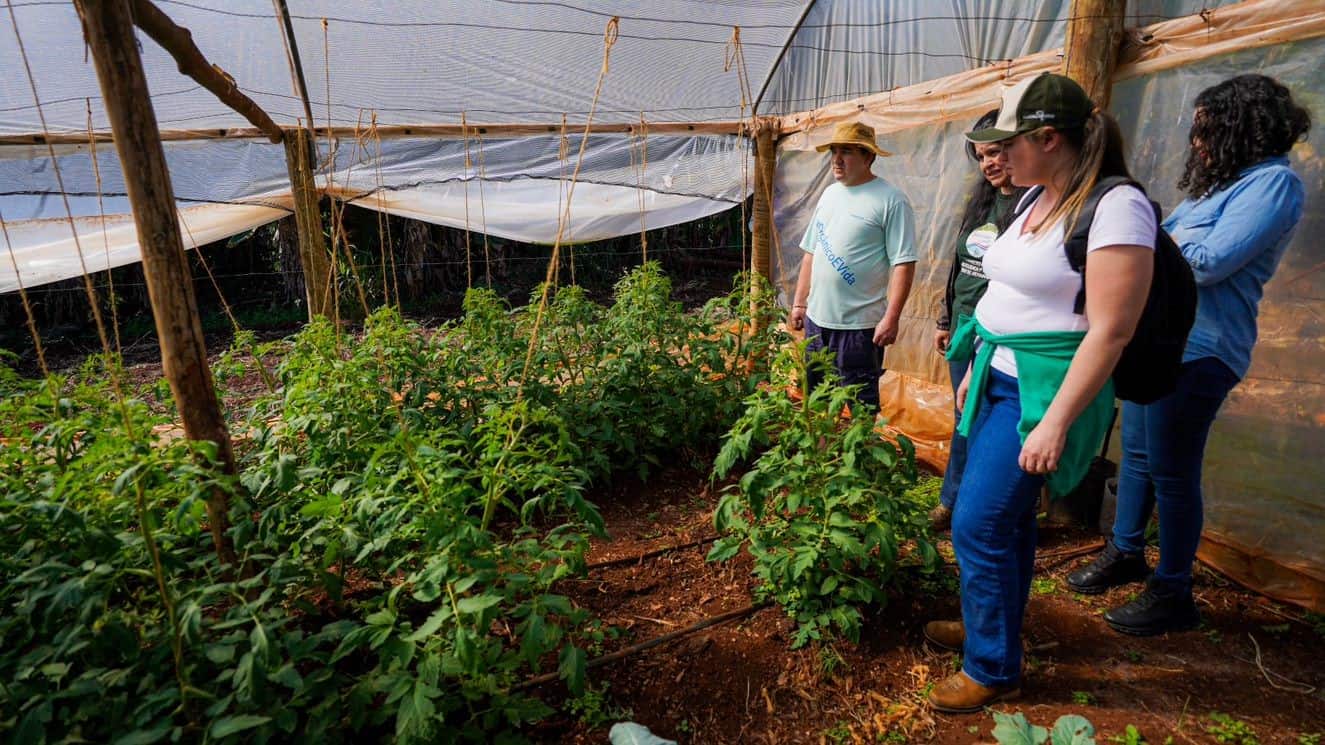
x,y
108,33
761,234
1094,37
179,42
313,257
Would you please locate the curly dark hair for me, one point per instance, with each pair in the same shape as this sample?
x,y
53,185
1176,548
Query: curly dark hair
x,y
983,193
1239,123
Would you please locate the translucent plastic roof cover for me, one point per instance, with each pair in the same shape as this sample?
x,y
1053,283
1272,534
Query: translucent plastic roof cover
x,y
416,61
846,49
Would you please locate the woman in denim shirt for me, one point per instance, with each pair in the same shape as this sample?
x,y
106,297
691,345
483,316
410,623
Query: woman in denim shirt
x,y
1244,202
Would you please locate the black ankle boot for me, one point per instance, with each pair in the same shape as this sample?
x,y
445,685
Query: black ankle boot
x,y
1110,569
1159,609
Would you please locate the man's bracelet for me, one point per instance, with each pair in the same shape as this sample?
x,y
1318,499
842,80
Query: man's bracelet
x,y
799,306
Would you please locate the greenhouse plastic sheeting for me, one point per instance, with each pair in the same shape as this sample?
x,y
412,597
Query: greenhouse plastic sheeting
x,y
46,252
407,62
1266,458
845,50
417,61
525,181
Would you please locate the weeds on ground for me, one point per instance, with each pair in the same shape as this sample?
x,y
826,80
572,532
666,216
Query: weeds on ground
x,y
594,707
838,734
1133,736
1226,729
1083,698
1044,585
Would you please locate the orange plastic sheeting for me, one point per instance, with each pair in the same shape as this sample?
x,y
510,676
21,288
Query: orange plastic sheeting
x,y
922,411
1257,569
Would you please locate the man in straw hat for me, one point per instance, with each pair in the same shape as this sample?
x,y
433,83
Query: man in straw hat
x,y
859,262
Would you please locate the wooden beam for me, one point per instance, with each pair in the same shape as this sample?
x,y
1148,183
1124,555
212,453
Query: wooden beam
x,y
179,42
313,257
393,131
108,29
1094,37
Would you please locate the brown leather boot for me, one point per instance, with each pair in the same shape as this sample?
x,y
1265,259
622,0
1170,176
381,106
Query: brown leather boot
x,y
949,635
958,694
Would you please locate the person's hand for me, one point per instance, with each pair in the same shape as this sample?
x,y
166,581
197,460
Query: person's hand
x,y
941,339
796,319
962,388
885,333
1042,449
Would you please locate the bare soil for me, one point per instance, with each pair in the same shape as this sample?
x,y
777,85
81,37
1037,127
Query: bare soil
x,y
741,682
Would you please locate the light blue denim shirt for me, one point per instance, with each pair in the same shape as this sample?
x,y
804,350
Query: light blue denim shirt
x,y
1234,239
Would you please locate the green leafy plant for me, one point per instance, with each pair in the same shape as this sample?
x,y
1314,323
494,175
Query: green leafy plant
x,y
407,502
594,707
1227,729
1130,736
1083,698
1015,729
1044,585
825,508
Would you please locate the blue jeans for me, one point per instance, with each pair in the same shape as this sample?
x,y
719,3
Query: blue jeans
x,y
1163,447
993,535
952,478
856,359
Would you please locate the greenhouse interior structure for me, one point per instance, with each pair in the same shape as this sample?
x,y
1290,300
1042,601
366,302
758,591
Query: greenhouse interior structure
x,y
534,517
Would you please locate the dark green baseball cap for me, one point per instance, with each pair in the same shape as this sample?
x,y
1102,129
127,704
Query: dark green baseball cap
x,y
1046,100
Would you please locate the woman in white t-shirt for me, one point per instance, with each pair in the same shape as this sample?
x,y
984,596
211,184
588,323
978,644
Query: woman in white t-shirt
x,y
1038,397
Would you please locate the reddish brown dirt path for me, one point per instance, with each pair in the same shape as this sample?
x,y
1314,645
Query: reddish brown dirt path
x,y
740,682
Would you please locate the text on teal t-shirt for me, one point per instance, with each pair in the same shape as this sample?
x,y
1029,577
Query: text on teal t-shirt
x,y
857,234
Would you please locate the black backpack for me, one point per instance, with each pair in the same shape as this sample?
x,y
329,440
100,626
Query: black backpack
x,y
1152,361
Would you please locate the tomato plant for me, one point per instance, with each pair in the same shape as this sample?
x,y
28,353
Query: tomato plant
x,y
825,508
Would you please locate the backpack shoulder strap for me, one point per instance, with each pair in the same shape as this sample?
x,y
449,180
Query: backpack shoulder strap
x,y
1025,203
1075,244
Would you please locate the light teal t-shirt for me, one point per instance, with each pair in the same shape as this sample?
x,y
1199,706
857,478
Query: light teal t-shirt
x,y
856,236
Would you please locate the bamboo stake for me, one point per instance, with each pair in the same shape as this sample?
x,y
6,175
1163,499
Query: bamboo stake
x,y
108,31
308,222
761,235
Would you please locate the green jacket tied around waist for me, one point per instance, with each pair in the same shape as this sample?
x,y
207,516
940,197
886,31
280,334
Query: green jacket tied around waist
x,y
1043,358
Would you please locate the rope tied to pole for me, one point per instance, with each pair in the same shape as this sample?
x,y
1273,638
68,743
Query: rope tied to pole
x,y
469,257
494,493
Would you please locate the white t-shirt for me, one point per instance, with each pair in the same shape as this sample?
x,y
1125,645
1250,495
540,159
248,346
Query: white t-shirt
x,y
1032,287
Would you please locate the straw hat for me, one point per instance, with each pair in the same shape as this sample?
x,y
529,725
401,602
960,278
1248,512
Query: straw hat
x,y
854,133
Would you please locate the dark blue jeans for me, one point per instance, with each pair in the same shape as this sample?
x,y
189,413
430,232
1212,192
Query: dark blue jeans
x,y
856,358
1163,448
952,478
993,535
